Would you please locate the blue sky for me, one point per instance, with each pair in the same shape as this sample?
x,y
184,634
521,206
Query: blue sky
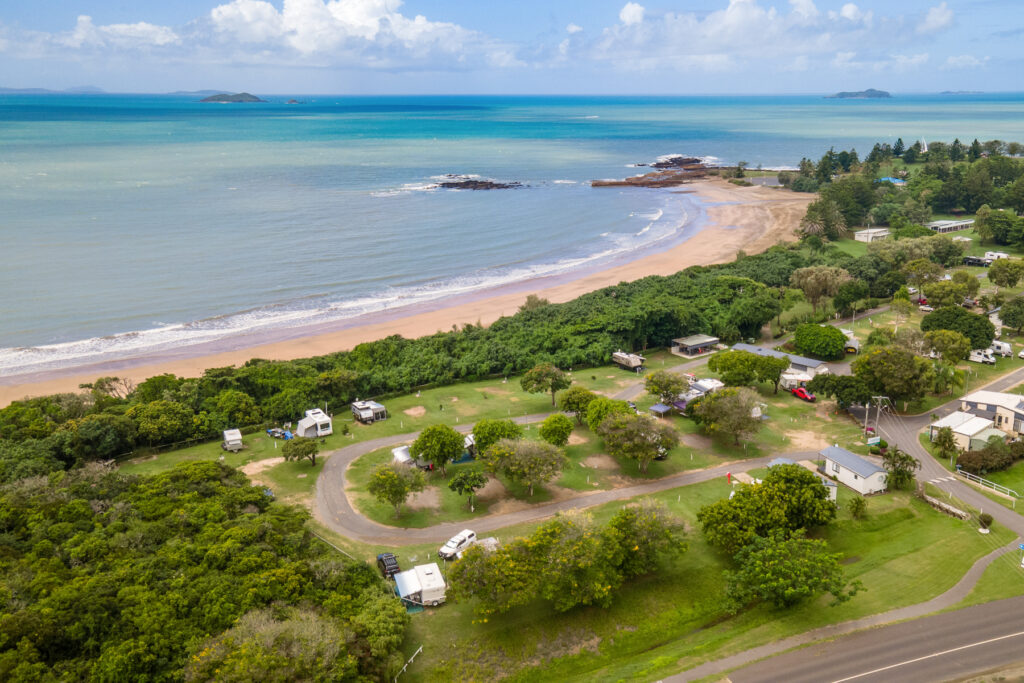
x,y
527,46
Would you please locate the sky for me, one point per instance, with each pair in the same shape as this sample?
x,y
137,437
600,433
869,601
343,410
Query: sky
x,y
522,47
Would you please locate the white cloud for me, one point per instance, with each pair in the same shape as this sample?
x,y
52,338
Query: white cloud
x,y
573,28
964,62
853,14
804,10
631,14
937,18
138,35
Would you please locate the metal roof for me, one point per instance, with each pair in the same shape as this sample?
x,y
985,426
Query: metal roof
x,y
1013,402
762,351
696,340
851,461
660,408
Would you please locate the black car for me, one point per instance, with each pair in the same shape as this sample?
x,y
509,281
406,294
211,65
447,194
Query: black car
x,y
387,563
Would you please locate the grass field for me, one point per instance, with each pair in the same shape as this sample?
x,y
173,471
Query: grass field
x,y
904,553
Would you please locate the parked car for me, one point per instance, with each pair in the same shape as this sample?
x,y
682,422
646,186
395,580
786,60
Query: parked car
x,y
802,393
457,543
925,309
387,563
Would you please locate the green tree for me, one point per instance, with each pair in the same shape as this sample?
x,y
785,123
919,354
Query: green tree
x,y
894,372
467,482
945,442
487,432
640,534
789,498
736,368
575,401
817,282
1006,272
728,411
638,437
238,408
392,484
543,378
969,281
438,444
947,377
858,507
899,467
898,148
667,386
530,463
849,295
1012,313
921,271
161,422
981,224
847,390
820,341
301,448
785,571
951,345
601,407
824,218
770,369
978,328
946,293
555,429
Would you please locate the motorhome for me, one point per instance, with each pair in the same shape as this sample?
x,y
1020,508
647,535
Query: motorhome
x,y
1001,348
982,356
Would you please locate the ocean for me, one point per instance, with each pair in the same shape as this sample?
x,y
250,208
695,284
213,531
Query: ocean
x,y
135,224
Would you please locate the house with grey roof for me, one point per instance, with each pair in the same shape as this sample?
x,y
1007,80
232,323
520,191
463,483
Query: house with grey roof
x,y
860,474
808,366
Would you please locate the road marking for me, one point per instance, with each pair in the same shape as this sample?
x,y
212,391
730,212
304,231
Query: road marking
x,y
934,654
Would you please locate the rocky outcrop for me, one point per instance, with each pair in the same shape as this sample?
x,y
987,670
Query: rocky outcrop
x,y
459,183
232,99
672,171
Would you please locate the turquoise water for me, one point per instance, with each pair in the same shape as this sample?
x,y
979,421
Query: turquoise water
x,y
138,224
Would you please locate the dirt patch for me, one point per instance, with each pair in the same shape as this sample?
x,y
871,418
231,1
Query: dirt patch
x,y
576,439
696,440
455,399
496,391
492,490
513,399
415,411
253,468
806,440
825,410
610,376
301,476
601,462
427,499
508,505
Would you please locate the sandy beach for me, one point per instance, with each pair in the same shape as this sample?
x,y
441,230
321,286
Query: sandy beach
x,y
748,218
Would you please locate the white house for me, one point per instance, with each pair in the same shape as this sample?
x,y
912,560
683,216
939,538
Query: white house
x,y
861,475
316,423
969,431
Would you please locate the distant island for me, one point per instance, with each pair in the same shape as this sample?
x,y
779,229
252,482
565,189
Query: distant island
x,y
80,90
239,97
869,94
961,92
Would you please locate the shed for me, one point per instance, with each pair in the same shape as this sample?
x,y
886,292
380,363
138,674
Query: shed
x,y
872,235
950,226
967,429
861,475
693,345
369,411
232,440
660,409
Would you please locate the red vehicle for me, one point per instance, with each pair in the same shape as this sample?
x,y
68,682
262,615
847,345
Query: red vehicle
x,y
802,393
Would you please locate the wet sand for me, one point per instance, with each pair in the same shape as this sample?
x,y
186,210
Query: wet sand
x,y
748,218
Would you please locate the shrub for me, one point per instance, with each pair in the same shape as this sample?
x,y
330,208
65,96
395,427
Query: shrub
x,y
820,341
882,443
875,450
858,507
985,520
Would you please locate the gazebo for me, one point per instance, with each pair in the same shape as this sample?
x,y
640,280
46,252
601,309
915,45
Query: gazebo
x,y
693,345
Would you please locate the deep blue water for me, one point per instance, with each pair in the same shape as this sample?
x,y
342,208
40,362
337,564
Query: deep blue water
x,y
187,222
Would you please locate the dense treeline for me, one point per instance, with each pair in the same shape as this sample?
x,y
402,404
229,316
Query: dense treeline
x,y
111,418
191,574
949,178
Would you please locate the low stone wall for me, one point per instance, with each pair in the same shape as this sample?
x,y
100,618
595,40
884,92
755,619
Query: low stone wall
x,y
946,508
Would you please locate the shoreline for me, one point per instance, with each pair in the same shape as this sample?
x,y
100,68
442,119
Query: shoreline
x,y
748,218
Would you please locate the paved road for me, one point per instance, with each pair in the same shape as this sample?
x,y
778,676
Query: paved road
x,y
937,648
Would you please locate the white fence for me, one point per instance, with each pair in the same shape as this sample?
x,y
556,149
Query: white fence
x,y
419,650
985,482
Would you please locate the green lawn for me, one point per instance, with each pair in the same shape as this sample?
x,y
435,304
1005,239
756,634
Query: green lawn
x,y
851,247
1004,578
904,553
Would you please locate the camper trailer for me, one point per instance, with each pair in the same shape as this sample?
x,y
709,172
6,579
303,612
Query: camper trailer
x,y
368,411
232,440
628,361
421,585
1001,348
402,456
315,424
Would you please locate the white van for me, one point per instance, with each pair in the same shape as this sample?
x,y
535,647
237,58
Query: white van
x,y
982,356
1001,348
